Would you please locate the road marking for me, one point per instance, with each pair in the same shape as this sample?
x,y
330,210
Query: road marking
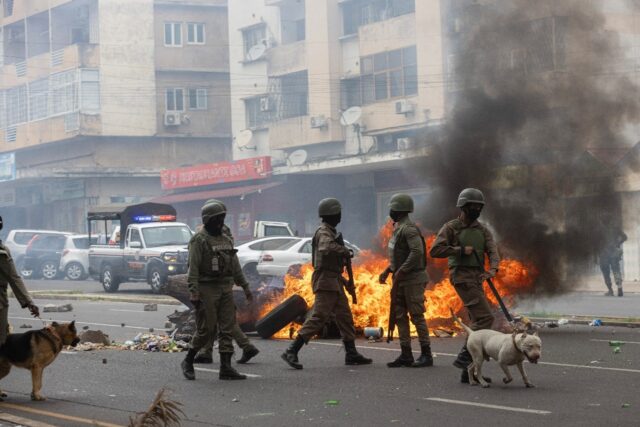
x,y
127,311
22,421
216,371
488,406
145,328
622,342
566,365
57,415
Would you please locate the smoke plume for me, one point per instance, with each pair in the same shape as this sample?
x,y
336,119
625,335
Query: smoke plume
x,y
543,103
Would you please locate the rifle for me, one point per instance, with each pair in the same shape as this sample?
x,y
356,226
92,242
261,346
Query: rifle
x,y
350,286
494,290
392,309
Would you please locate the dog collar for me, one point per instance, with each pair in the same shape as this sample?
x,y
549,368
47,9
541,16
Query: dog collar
x,y
53,338
513,339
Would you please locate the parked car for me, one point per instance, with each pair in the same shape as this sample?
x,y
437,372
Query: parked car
x,y
17,241
249,253
278,262
42,256
74,263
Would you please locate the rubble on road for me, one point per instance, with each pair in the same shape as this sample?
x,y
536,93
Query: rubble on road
x,y
94,337
26,326
52,308
150,307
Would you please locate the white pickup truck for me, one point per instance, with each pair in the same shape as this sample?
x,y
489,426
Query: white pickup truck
x,y
152,248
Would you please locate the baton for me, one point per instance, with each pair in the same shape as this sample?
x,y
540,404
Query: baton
x,y
494,290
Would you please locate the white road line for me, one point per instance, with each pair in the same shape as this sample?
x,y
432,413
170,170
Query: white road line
x,y
217,372
623,342
488,406
566,365
145,328
128,311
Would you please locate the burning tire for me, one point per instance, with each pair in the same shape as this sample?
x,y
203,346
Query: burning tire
x,y
285,313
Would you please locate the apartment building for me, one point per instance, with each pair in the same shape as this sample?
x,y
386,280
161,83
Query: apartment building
x,y
339,93
98,96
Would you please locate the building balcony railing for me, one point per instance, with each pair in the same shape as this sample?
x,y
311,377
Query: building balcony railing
x,y
287,58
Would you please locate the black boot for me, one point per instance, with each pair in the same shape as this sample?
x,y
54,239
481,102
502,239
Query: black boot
x,y
248,353
609,292
187,365
620,293
464,377
405,358
291,354
425,359
226,370
352,357
205,358
464,358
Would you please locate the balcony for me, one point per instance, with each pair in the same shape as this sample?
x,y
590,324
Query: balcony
x,y
287,59
22,9
297,132
387,35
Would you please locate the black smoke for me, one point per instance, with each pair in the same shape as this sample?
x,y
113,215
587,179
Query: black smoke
x,y
541,103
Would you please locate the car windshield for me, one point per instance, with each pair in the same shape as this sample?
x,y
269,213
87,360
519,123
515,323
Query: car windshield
x,y
166,236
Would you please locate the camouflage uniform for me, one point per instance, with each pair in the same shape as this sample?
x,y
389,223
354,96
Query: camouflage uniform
x,y
610,257
9,277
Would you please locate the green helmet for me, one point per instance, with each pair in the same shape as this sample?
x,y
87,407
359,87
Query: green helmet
x,y
216,201
470,195
328,207
210,210
401,203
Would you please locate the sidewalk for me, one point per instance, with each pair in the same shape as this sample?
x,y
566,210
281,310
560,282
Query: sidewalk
x,y
597,285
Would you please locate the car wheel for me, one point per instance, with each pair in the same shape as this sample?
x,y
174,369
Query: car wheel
x,y
49,270
285,313
110,282
74,271
156,280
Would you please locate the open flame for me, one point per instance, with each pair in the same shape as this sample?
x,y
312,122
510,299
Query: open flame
x,y
514,277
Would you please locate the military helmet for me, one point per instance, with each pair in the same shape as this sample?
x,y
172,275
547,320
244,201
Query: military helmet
x,y
470,195
401,203
216,201
210,210
329,206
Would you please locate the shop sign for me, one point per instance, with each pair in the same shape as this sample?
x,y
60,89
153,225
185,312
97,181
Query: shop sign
x,y
216,173
7,167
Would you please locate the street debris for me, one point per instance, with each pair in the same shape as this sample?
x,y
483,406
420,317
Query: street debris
x,y
235,399
25,326
551,324
332,402
441,333
95,337
563,322
617,350
84,328
52,308
596,322
162,412
168,325
626,405
616,343
151,307
104,361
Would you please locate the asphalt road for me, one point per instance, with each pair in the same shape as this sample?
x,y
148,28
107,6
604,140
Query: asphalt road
x,y
580,382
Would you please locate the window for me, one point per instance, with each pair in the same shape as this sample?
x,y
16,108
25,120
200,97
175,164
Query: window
x,y
81,242
134,236
252,37
389,75
174,100
258,114
198,99
173,34
362,12
306,248
271,245
351,96
16,105
166,236
63,92
39,99
195,33
23,238
90,90
292,95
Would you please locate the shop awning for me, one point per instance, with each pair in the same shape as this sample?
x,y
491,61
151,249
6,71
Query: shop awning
x,y
215,194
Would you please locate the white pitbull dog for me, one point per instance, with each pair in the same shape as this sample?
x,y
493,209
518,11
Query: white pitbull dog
x,y
506,349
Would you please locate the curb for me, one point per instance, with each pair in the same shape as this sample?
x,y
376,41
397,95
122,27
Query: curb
x,y
98,297
586,320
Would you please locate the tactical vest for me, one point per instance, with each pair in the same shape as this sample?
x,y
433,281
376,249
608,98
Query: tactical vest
x,y
327,261
397,257
217,259
473,237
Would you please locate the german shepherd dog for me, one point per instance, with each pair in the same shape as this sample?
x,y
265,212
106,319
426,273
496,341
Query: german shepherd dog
x,y
35,350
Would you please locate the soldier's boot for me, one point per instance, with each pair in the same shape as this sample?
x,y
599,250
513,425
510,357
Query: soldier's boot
x,y
226,370
464,358
405,358
291,354
609,293
425,359
187,365
352,357
248,353
620,293
204,356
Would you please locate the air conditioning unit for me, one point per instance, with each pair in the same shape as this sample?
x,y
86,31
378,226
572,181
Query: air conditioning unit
x,y
266,104
319,122
405,144
404,107
172,119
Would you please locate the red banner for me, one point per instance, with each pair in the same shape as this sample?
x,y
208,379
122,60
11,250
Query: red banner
x,y
216,173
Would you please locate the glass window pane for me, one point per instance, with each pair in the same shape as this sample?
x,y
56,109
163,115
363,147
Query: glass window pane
x,y
200,34
193,99
395,78
366,66
380,62
171,105
179,100
411,80
202,99
191,36
409,56
368,89
177,34
167,34
395,59
381,86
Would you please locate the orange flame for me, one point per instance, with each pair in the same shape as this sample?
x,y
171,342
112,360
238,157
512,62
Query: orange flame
x,y
514,277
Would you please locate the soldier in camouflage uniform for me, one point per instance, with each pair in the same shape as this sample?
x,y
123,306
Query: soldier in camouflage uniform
x,y
458,240
213,270
10,277
408,264
328,286
611,254
249,351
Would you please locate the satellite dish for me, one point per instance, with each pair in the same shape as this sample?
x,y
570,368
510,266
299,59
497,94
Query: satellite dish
x,y
243,139
297,157
351,116
256,52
